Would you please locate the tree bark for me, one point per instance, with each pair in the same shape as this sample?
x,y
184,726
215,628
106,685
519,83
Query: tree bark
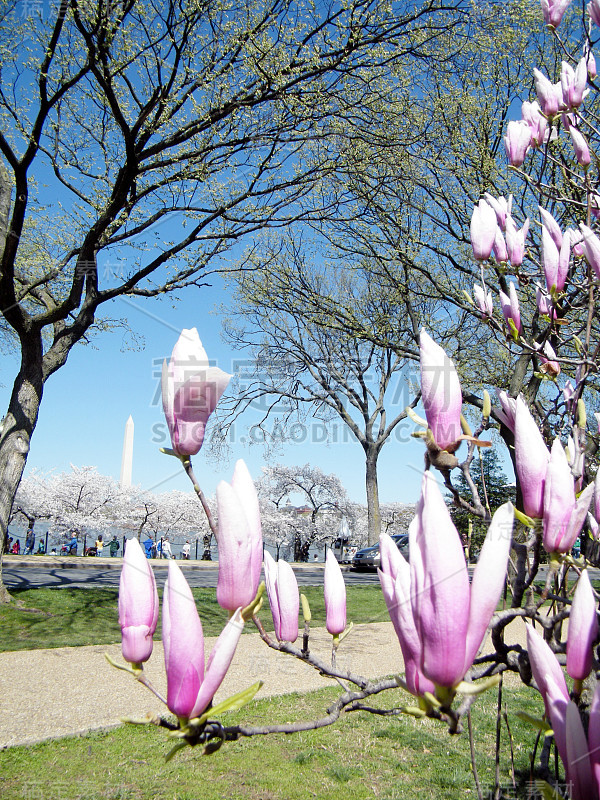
x,y
15,436
373,510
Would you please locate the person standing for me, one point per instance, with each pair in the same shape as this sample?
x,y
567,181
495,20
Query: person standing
x,y
166,548
113,547
185,551
148,547
99,545
29,542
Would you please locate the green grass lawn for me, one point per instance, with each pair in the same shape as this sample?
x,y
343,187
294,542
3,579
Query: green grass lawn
x,y
362,756
70,617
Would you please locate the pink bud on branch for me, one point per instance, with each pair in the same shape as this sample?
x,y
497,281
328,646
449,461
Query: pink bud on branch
x,y
335,596
531,458
553,11
394,577
138,604
191,390
284,599
183,644
583,629
190,689
484,300
517,141
510,306
239,540
441,394
450,616
483,230
563,513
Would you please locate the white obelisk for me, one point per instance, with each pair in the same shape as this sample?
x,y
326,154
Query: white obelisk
x,y
127,460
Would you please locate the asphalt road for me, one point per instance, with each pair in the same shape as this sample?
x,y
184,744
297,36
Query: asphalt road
x,y
31,572
30,576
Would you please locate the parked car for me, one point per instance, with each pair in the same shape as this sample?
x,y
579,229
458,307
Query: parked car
x,y
370,557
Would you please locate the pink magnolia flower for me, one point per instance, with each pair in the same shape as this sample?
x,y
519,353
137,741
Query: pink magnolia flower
x,y
531,457
394,576
284,599
564,260
580,754
552,227
591,247
189,688
578,766
191,390
553,11
549,258
532,115
555,257
549,364
577,237
543,301
500,251
483,230
549,94
502,207
510,306
515,241
573,83
484,300
451,617
507,414
550,680
239,540
441,394
138,604
583,629
335,596
546,670
590,61
593,9
580,145
563,513
517,141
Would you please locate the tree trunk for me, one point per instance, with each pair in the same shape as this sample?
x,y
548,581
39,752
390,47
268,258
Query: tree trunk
x,y
373,511
15,436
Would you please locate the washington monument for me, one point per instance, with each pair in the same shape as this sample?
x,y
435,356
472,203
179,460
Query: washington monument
x,y
127,459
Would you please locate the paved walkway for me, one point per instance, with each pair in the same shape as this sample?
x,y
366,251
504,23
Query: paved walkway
x,y
69,690
50,693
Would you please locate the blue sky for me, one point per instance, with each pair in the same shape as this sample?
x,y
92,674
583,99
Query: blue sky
x,y
86,405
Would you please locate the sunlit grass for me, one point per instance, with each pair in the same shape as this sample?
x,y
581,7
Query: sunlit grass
x,y
363,756
70,617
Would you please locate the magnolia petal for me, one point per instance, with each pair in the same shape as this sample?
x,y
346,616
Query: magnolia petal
x,y
488,579
218,662
335,596
439,587
583,629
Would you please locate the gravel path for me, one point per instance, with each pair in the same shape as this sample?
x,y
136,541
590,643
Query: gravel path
x,y
68,690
